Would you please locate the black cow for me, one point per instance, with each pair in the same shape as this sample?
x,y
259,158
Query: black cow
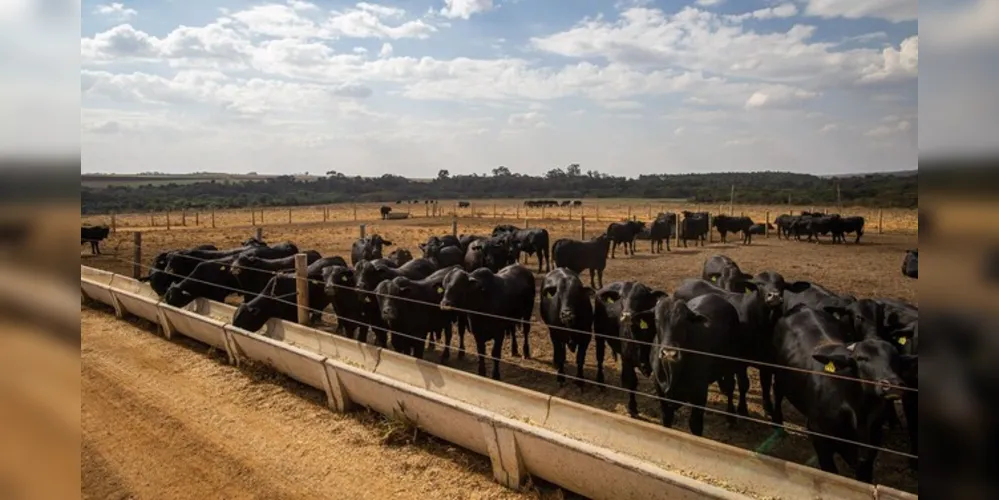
x,y
399,256
814,342
279,300
910,265
577,203
617,321
94,235
385,210
464,204
759,306
369,275
506,294
447,240
624,232
443,252
410,308
467,239
760,229
172,267
566,309
498,252
680,373
340,288
252,273
854,224
729,224
785,223
579,255
210,279
529,241
368,248
475,256
694,226
718,265
663,228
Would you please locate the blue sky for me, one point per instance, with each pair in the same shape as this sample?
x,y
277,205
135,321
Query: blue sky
x,y
412,87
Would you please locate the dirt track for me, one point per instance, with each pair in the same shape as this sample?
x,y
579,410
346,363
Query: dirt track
x,y
161,420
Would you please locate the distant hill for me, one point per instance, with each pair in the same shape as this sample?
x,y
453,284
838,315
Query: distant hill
x,y
899,173
141,192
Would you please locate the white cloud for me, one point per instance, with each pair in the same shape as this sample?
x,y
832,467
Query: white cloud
x,y
465,9
829,127
709,3
116,11
891,125
281,83
778,96
891,10
895,64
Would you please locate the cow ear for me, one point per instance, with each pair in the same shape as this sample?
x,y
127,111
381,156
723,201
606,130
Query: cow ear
x,y
798,286
609,296
834,357
659,294
549,291
644,321
751,287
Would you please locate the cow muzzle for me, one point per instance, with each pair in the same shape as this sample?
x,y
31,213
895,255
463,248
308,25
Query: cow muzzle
x,y
669,355
566,316
446,305
889,389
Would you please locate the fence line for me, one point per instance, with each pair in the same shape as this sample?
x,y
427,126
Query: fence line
x,y
535,323
313,214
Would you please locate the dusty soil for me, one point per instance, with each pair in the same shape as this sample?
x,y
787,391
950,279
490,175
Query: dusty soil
x,y
871,268
164,419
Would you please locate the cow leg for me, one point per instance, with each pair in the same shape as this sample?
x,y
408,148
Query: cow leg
x,y
613,248
581,348
418,347
512,331
727,385
480,347
446,354
462,326
766,381
824,449
527,336
362,333
630,382
667,410
860,232
558,355
742,377
381,337
497,352
601,346
777,415
600,277
592,273
699,401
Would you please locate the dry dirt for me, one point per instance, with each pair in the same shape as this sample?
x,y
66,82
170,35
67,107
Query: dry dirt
x,y
871,268
164,419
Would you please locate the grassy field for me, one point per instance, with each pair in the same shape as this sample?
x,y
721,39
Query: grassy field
x,y
903,221
869,269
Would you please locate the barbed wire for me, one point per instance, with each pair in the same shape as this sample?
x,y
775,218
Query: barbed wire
x,y
603,336
428,339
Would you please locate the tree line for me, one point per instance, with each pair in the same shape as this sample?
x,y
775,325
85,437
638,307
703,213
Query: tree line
x,y
872,190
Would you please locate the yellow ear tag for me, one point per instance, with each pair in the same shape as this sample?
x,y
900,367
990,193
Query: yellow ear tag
x,y
901,341
714,278
343,279
367,299
221,268
609,300
748,292
440,289
642,324
830,367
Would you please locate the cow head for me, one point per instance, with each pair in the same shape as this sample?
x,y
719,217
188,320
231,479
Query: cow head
x,y
460,289
338,279
249,317
638,323
875,362
675,322
565,292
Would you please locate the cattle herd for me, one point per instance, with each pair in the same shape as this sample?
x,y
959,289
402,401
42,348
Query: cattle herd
x,y
842,361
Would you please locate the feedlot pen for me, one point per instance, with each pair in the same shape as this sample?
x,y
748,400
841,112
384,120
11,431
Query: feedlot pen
x,y
870,269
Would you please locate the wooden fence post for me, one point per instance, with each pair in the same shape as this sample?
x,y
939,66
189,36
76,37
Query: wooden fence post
x,y
136,255
364,228
253,216
183,218
542,212
650,210
494,210
213,217
197,221
168,220
598,213
629,212
259,233
582,228
677,235
570,212
766,225
711,235
114,224
881,220
302,287
526,223
261,216
518,211
152,220
355,212
454,226
289,216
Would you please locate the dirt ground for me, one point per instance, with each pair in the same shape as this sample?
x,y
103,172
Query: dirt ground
x,y
871,268
166,419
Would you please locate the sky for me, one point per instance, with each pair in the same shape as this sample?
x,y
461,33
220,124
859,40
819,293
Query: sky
x,y
412,87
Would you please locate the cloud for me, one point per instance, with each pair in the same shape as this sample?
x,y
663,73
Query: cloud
x,y
386,50
465,9
895,64
829,127
891,10
709,3
775,96
115,11
781,11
